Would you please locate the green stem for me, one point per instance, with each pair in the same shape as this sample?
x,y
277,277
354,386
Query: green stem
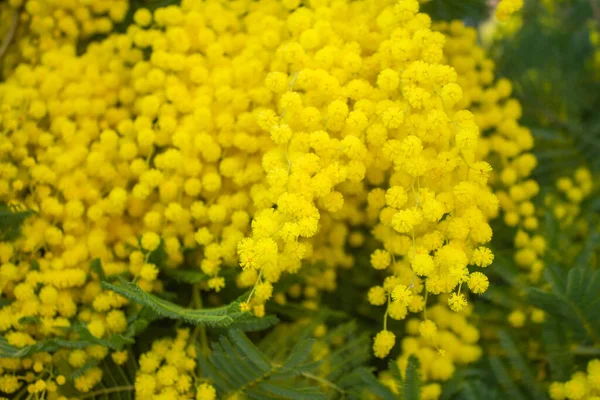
x,y
587,351
199,329
11,33
325,382
115,389
386,313
258,279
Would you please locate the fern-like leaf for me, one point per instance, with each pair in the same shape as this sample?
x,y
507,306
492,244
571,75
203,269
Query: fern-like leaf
x,y
559,354
505,380
519,363
577,303
412,381
361,382
219,317
236,365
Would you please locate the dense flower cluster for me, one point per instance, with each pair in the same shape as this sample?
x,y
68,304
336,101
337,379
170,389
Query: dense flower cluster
x,y
441,342
260,135
564,204
581,386
505,143
37,26
166,371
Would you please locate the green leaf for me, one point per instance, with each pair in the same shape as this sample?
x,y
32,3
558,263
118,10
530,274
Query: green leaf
x,y
472,10
249,323
396,373
505,380
412,380
361,381
29,320
505,267
590,245
219,317
577,303
519,362
187,276
250,350
9,351
236,365
115,341
11,220
292,393
556,345
96,266
159,256
299,353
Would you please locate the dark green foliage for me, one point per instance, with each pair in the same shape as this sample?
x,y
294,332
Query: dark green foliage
x,y
289,370
11,220
556,345
362,380
473,383
576,304
237,365
411,387
550,62
471,11
520,364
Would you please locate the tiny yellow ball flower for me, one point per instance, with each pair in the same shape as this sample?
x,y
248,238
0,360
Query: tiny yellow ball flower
x,y
402,294
383,343
206,392
517,318
478,282
149,272
380,259
457,302
377,296
428,329
150,241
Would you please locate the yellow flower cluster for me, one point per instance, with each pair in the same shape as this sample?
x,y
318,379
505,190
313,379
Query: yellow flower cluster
x,y
40,379
116,159
505,143
258,133
581,386
565,205
37,26
571,192
441,343
167,371
436,257
506,8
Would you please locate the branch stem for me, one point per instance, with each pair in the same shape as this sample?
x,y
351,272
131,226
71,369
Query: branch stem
x,y
115,389
11,33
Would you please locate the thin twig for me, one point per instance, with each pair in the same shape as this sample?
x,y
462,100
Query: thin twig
x,y
108,390
325,382
587,351
11,33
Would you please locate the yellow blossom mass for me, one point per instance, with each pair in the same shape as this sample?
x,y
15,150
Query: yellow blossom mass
x,y
273,150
